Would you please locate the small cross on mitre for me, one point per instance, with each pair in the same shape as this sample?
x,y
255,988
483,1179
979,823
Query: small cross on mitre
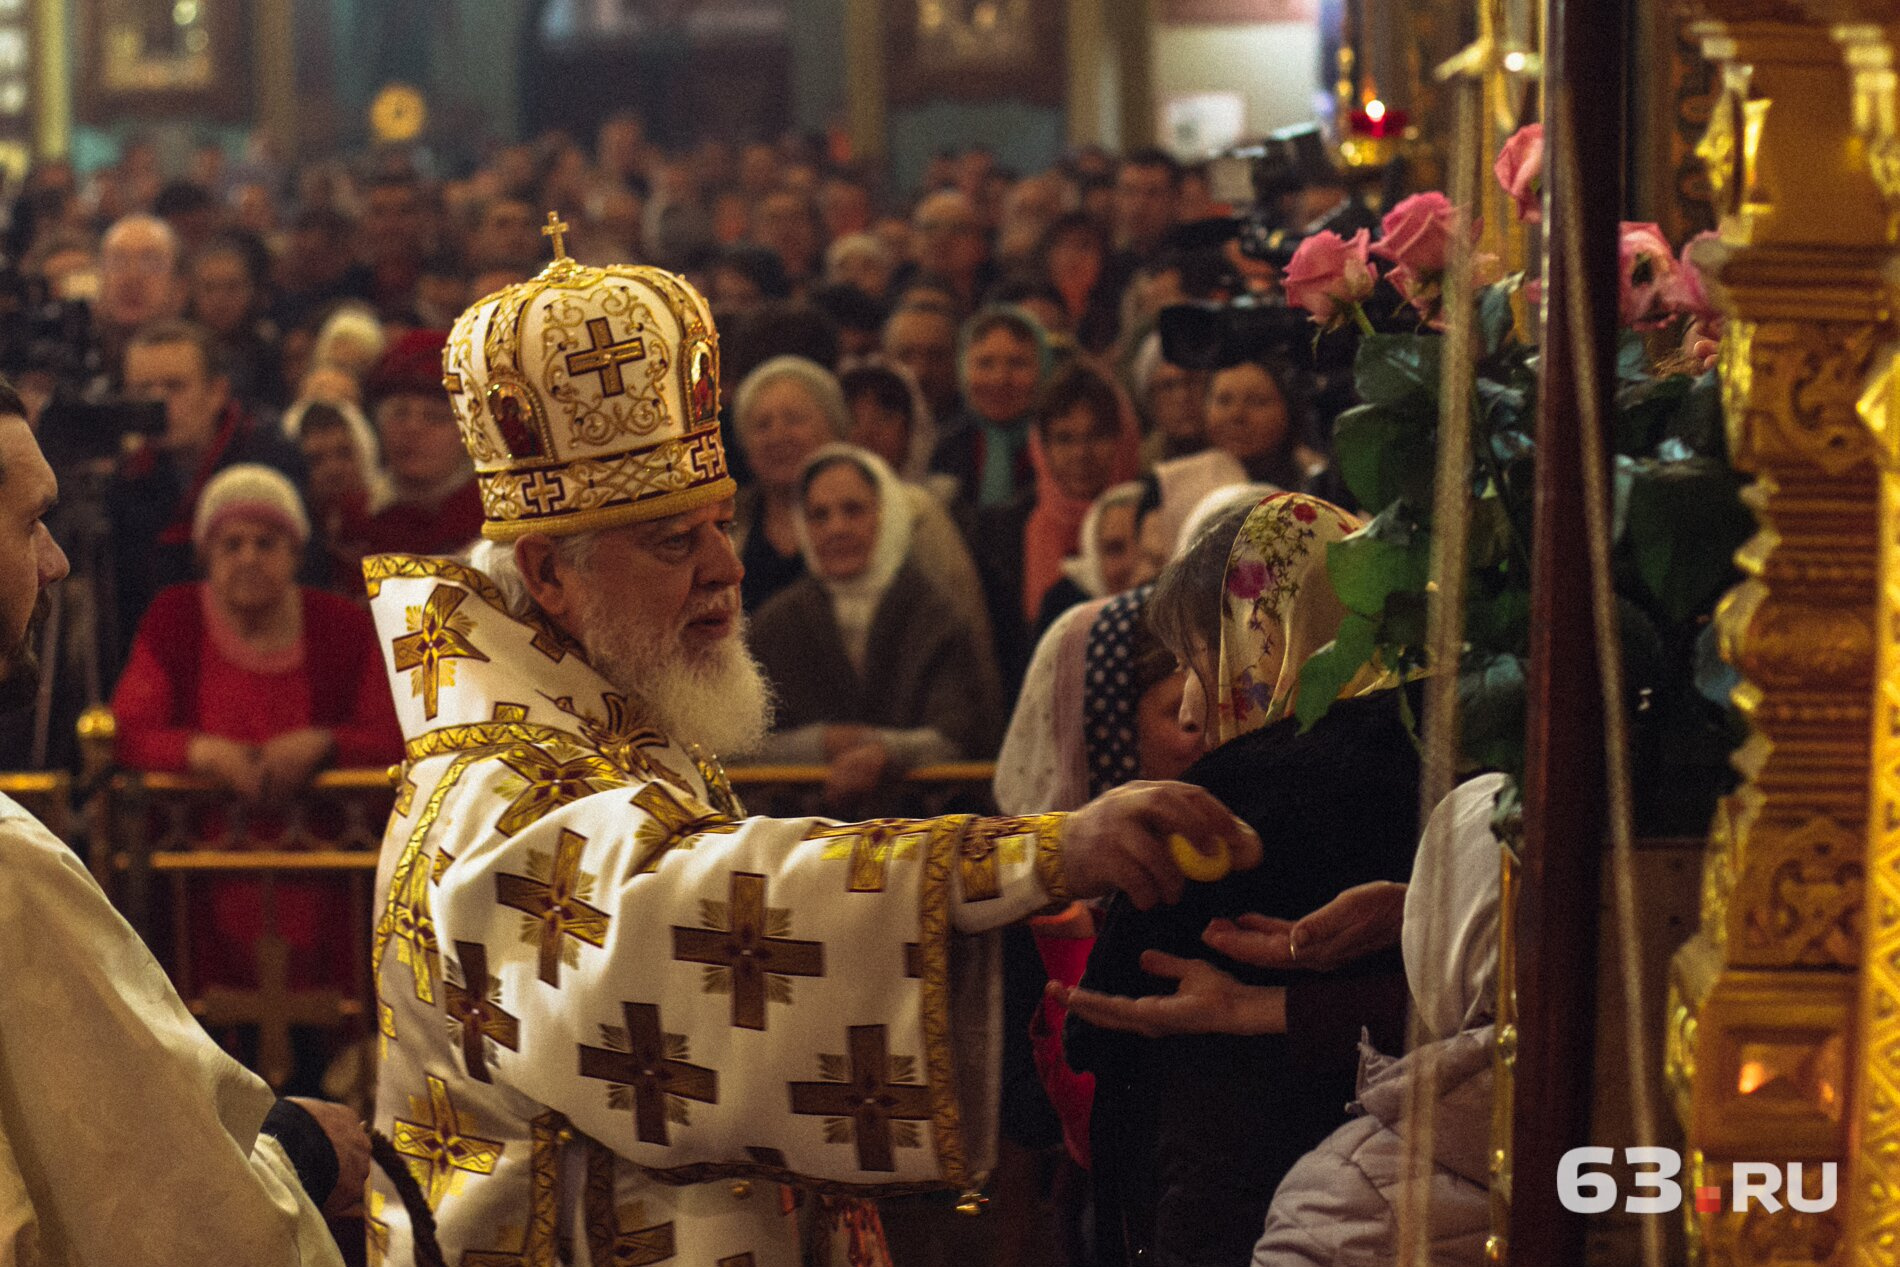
x,y
556,231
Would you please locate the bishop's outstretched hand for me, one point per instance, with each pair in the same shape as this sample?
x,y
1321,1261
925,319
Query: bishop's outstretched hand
x,y
1119,841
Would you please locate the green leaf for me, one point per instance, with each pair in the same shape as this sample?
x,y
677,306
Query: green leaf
x,y
1685,522
1392,367
1385,555
1384,454
1644,411
1632,357
1491,703
1327,670
1496,318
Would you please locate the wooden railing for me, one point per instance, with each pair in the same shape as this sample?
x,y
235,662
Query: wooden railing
x,y
158,841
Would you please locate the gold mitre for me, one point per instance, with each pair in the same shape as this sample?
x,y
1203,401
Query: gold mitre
x,y
588,397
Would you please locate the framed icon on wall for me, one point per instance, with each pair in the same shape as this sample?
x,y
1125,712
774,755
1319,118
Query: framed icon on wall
x,y
980,50
163,57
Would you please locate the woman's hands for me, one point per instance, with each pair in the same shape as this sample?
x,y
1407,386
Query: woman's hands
x,y
226,761
280,768
1359,922
1207,1001
292,759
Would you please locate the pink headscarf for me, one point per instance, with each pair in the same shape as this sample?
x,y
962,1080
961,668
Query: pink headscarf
x,y
1054,530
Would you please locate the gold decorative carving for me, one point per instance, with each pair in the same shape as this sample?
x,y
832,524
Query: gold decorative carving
x,y
1761,1001
1872,1189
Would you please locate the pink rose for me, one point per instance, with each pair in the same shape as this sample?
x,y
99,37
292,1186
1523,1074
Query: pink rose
x,y
1520,169
1328,274
1648,275
1686,292
1418,233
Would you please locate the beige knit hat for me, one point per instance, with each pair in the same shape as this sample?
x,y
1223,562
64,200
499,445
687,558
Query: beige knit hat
x,y
253,490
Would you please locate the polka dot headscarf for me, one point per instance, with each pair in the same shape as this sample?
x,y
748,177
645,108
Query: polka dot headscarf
x,y
1111,693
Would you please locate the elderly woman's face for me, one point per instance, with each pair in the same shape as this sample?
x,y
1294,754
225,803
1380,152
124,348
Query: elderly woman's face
x,y
841,513
250,563
1000,372
1246,414
784,426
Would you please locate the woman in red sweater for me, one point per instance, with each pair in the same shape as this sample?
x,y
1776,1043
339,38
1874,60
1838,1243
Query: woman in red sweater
x,y
257,683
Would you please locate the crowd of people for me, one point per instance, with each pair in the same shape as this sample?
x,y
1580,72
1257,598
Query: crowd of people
x,y
979,512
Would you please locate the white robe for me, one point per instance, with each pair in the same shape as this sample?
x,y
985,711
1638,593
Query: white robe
x,y
127,1137
615,1013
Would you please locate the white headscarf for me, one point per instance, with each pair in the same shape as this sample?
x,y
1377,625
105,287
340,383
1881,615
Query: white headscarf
x,y
1085,566
1215,502
923,424
1450,935
854,601
362,439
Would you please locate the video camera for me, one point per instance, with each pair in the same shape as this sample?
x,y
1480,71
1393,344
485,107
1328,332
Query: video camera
x,y
1206,336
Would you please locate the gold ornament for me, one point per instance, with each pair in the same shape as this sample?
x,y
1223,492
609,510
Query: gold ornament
x,y
398,114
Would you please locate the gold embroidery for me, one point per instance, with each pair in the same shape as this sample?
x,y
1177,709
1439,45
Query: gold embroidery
x,y
376,1231
933,955
718,786
483,735
406,918
647,1072
872,846
670,477
618,737
989,842
618,1238
552,899
673,822
540,1243
440,1154
1049,871
747,952
551,776
438,637
549,640
474,1008
866,1099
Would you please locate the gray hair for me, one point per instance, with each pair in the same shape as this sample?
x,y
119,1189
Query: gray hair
x,y
819,383
496,560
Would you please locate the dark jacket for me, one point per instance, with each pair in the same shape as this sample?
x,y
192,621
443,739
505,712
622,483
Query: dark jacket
x,y
996,541
1192,1134
920,666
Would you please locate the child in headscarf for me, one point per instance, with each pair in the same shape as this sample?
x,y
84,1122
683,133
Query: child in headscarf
x,y
1195,1126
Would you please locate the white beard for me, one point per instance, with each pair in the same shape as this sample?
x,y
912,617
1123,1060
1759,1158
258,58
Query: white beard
x,y
718,699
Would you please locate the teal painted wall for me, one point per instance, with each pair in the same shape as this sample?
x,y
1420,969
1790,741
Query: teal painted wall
x,y
1024,137
819,68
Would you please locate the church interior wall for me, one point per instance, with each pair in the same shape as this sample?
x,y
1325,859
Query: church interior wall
x,y
1272,66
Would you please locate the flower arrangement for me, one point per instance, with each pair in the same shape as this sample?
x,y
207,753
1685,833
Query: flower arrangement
x,y
1678,517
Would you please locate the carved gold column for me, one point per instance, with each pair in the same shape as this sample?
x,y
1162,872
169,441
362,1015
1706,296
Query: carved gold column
x,y
1870,1192
1761,999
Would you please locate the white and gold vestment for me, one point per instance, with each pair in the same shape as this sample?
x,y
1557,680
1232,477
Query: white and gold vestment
x,y
609,1002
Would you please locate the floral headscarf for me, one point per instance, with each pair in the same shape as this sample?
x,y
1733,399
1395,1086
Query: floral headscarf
x,y
1278,608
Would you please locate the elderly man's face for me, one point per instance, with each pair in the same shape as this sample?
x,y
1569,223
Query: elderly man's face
x,y
30,560
656,606
677,577
138,274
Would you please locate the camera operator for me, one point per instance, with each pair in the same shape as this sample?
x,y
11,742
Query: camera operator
x,y
155,489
